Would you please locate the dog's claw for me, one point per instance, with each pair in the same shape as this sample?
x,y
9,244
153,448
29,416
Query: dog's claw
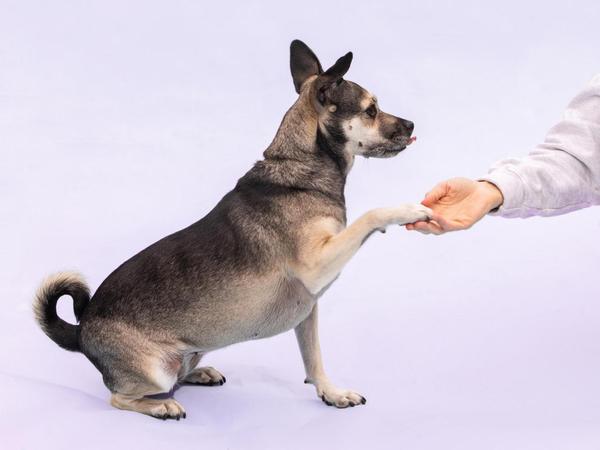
x,y
184,415
343,399
224,380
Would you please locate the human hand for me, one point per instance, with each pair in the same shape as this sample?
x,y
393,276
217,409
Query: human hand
x,y
458,204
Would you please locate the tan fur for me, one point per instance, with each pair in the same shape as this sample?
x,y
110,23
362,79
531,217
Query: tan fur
x,y
308,339
159,408
326,246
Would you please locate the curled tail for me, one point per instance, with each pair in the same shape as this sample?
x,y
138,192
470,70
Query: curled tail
x,y
44,307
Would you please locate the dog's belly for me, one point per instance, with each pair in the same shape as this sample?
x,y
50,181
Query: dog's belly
x,y
255,311
284,310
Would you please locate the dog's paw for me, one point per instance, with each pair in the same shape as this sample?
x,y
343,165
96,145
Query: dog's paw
x,y
205,376
160,408
340,398
409,213
167,409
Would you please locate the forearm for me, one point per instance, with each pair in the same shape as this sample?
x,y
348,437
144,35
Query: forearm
x,y
544,184
327,259
307,335
340,248
562,174
325,253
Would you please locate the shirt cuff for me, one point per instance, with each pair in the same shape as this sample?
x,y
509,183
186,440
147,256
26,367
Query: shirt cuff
x,y
513,191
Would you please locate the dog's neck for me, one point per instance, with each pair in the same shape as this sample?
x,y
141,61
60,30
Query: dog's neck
x,y
295,137
305,156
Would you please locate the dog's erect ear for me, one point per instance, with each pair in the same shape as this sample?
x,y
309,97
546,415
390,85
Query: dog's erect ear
x,y
332,76
303,63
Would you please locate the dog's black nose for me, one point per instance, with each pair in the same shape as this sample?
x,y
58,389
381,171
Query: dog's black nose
x,y
409,126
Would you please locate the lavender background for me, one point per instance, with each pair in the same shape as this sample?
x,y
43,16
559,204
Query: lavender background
x,y
121,122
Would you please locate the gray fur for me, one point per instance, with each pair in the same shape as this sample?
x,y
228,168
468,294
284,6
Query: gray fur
x,y
256,265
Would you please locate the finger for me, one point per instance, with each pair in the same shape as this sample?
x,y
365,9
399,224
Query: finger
x,y
449,224
436,229
430,228
421,227
435,194
414,226
420,224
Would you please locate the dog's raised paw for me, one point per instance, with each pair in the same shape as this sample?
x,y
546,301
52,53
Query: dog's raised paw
x,y
415,213
342,398
401,215
205,376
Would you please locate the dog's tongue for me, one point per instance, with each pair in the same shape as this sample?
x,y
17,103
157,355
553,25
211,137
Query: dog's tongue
x,y
411,140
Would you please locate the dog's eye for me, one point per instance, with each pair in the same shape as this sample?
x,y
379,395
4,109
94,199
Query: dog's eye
x,y
372,111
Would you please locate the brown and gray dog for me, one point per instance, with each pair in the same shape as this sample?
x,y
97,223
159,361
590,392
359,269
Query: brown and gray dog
x,y
254,267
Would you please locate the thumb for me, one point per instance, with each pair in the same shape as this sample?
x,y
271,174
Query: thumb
x,y
435,194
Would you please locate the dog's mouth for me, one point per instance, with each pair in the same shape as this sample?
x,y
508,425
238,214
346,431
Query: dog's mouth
x,y
389,151
402,146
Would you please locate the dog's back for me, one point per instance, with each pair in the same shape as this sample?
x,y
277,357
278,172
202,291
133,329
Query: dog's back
x,y
244,243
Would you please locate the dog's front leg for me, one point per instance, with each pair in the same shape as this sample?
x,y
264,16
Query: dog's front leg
x,y
325,249
308,340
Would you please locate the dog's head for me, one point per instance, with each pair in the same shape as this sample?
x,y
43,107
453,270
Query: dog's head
x,y
347,114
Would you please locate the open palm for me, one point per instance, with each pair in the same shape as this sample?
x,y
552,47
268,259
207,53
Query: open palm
x,y
458,204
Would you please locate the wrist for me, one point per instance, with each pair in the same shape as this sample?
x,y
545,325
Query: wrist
x,y
374,219
493,195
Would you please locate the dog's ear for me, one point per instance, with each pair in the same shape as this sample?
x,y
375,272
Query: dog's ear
x,y
303,64
332,77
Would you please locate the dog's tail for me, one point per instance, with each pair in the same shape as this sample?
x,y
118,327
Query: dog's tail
x,y
44,307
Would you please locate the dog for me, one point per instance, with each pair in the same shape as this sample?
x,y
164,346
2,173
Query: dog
x,y
254,267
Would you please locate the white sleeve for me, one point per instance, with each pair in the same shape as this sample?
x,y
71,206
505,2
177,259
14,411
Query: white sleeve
x,y
562,174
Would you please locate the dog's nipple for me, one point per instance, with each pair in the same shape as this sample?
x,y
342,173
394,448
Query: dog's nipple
x,y
359,144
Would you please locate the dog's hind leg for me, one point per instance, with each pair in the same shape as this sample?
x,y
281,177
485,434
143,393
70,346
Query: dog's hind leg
x,y
132,395
159,408
134,365
205,376
308,340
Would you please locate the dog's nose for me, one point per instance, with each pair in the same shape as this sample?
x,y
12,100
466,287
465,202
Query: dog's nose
x,y
409,126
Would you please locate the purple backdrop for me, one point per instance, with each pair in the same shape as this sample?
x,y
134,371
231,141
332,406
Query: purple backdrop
x,y
121,122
